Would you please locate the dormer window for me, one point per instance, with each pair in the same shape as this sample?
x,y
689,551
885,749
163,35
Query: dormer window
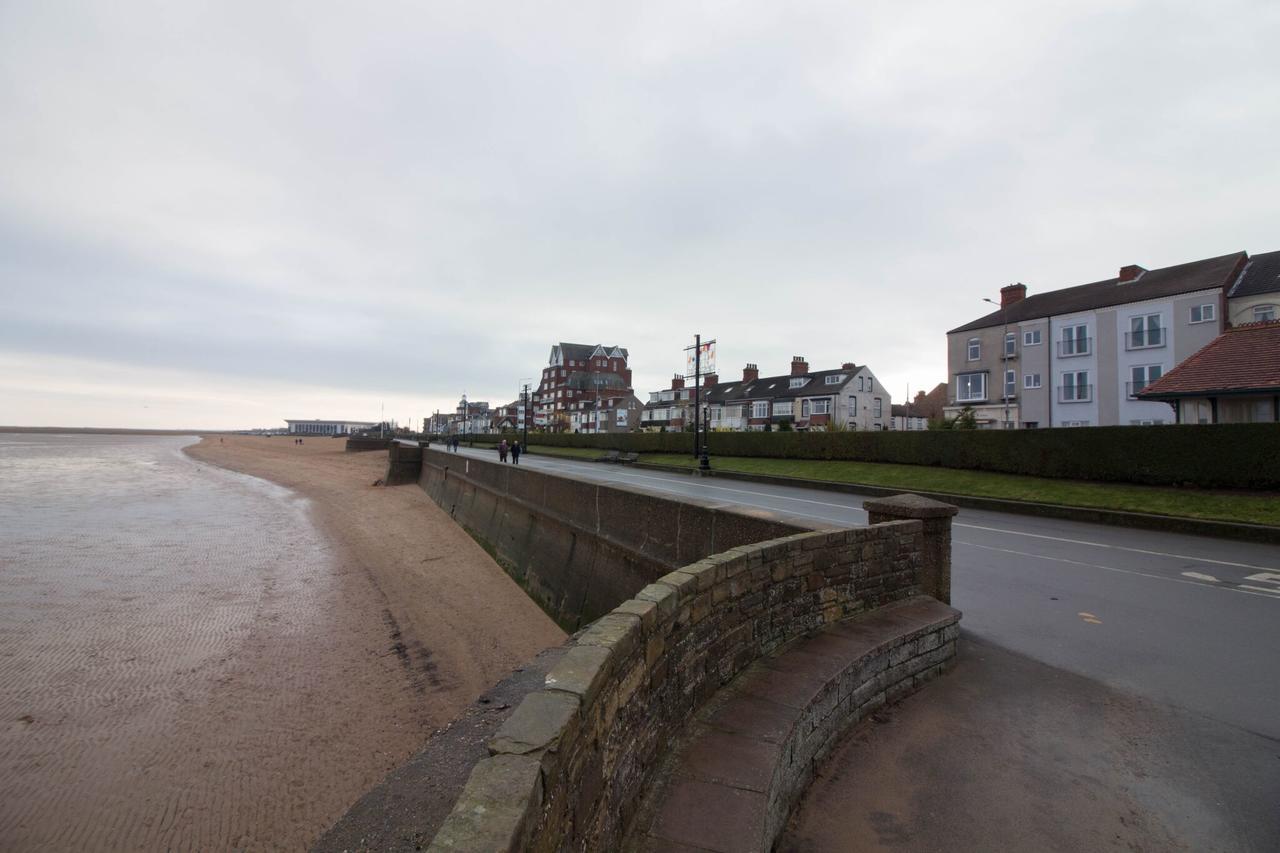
x,y
834,380
798,381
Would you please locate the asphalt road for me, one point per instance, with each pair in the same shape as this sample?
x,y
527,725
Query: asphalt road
x,y
1182,620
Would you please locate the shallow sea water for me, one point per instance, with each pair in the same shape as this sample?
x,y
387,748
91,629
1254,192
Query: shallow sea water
x,y
160,625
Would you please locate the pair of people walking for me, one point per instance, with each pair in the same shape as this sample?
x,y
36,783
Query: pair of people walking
x,y
451,444
513,449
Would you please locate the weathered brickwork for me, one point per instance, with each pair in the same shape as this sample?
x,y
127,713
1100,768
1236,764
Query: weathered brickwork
x,y
635,679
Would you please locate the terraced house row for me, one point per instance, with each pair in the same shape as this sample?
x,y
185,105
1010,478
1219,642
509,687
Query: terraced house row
x,y
1081,356
847,397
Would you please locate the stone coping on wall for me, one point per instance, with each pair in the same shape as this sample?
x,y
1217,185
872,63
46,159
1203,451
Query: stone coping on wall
x,y
568,769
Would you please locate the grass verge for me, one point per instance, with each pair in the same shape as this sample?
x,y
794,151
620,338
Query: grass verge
x,y
590,454
1245,507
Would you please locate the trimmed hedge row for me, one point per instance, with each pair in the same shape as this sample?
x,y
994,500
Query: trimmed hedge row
x,y
1243,456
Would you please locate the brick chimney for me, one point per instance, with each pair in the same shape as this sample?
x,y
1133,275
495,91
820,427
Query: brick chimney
x,y
677,382
709,380
1012,293
799,367
848,365
1133,272
750,373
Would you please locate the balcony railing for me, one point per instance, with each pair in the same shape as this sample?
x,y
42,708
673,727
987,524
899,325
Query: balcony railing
x,y
1132,388
1075,393
1075,346
1145,339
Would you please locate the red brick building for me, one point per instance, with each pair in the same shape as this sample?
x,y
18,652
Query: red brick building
x,y
577,373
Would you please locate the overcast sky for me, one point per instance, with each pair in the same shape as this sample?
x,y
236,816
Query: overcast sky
x,y
225,214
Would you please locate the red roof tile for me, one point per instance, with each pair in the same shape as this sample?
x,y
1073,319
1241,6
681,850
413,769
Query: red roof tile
x,y
1243,358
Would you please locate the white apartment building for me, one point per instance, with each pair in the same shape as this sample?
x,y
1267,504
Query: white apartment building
x,y
1078,356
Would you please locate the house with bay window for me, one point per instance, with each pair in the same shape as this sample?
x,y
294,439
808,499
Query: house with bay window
x,y
1080,356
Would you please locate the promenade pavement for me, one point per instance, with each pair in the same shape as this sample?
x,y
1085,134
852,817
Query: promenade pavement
x,y
1129,679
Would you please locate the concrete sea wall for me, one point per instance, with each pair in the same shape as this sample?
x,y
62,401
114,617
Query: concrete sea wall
x,y
579,549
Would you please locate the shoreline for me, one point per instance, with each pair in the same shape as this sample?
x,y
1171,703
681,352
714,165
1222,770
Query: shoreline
x,y
57,430
228,643
463,622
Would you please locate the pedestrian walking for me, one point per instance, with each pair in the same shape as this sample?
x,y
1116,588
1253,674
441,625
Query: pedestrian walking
x,y
515,453
502,450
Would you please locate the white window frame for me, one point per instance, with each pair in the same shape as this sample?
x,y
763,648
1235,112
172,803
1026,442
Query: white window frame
x,y
1267,312
760,409
971,397
1031,338
1069,336
1010,344
788,408
1031,380
973,349
853,405
1010,383
877,408
1143,323
798,381
821,407
1146,377
834,380
1207,313
1075,383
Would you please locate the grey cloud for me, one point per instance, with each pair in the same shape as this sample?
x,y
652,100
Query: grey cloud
x,y
423,198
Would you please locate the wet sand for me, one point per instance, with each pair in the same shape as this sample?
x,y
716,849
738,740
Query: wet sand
x,y
246,709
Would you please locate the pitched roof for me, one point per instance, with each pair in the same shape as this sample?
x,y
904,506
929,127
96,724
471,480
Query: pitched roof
x,y
1242,359
583,351
779,387
583,380
1152,284
1262,275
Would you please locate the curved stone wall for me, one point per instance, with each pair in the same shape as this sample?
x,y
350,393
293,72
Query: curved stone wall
x,y
568,769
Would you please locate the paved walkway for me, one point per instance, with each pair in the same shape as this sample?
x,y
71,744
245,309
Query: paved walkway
x,y
730,783
1004,753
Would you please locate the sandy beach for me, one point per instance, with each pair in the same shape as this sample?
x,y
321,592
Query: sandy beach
x,y
248,700
419,587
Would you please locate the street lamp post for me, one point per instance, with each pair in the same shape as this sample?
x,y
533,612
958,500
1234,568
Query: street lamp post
x,y
1004,359
524,399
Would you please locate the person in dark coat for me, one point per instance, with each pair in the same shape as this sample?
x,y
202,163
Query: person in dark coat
x,y
502,450
515,452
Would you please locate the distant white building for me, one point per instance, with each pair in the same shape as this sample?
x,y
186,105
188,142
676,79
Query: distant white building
x,y
319,427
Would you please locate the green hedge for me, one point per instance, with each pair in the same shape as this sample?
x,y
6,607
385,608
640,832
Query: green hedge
x,y
1204,456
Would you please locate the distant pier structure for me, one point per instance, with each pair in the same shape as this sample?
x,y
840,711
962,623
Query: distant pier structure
x,y
320,427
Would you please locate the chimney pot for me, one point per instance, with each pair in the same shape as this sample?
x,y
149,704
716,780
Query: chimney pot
x,y
709,380
848,365
1132,272
799,367
677,382
1012,293
750,373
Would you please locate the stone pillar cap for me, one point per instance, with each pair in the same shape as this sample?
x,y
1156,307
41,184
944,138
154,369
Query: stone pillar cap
x,y
910,506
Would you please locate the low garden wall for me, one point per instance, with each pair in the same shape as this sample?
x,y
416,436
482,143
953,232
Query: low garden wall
x,y
1245,456
568,769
